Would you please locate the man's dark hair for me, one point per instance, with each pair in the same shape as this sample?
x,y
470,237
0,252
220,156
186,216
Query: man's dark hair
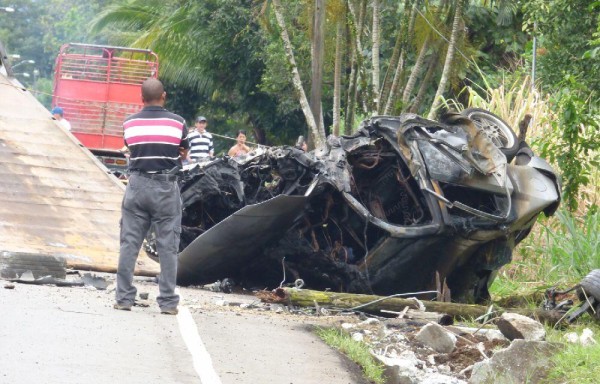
x,y
152,90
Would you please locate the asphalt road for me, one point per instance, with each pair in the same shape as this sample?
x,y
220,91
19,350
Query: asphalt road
x,y
73,335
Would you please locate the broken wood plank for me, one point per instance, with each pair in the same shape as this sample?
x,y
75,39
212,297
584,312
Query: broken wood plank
x,y
411,314
375,304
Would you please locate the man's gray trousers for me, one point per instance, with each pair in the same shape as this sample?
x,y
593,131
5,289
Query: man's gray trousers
x,y
150,202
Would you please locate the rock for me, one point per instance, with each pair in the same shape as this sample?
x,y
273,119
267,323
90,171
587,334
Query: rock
x,y
439,378
437,338
9,286
370,320
144,295
402,368
277,308
571,337
357,336
490,334
347,326
515,326
523,361
586,338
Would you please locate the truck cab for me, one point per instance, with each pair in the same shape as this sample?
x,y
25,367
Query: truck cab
x,y
97,86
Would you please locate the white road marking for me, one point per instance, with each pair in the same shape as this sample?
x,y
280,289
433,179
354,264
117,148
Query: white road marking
x,y
200,356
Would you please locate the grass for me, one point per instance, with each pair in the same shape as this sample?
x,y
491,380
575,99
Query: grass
x,y
575,364
355,351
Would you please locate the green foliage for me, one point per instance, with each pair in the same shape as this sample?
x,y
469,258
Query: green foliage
x,y
573,247
563,251
36,31
575,363
496,30
355,350
574,141
42,89
215,49
565,29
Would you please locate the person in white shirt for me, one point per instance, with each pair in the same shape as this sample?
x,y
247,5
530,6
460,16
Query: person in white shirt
x,y
201,142
58,113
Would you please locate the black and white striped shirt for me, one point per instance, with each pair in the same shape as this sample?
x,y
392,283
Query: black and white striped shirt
x,y
153,137
201,145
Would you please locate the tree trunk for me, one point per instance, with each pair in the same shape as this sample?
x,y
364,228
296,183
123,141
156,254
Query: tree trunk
x,y
395,85
357,62
317,135
337,79
413,17
404,32
375,57
375,304
318,51
387,79
416,71
437,101
351,94
416,104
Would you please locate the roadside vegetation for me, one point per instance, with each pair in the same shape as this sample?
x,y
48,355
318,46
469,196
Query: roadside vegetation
x,y
355,351
576,363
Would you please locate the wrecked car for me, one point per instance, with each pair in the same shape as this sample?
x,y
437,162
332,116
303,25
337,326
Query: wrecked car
x,y
383,211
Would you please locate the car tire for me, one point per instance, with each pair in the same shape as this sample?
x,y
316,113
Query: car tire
x,y
496,129
591,285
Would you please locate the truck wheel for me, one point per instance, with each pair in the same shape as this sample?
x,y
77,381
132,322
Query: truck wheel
x,y
591,285
496,129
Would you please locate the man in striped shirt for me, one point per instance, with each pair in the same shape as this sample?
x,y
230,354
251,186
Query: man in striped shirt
x,y
157,141
201,142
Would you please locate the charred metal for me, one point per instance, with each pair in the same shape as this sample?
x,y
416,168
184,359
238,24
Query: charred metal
x,y
379,212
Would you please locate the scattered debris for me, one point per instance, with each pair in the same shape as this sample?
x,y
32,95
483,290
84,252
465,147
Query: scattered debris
x,y
87,279
588,292
141,303
9,286
14,264
97,282
225,286
377,304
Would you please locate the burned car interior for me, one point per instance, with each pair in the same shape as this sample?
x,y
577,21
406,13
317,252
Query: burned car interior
x,y
382,211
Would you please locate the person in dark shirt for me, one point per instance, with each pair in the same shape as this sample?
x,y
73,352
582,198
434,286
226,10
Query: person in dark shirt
x,y
157,141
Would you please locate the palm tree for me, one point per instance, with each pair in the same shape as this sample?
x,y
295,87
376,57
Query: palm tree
x,y
318,53
404,34
337,78
437,101
169,30
317,133
375,56
356,31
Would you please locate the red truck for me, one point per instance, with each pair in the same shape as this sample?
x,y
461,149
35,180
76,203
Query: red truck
x,y
98,86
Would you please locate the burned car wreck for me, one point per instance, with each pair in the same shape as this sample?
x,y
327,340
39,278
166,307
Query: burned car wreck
x,y
382,211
